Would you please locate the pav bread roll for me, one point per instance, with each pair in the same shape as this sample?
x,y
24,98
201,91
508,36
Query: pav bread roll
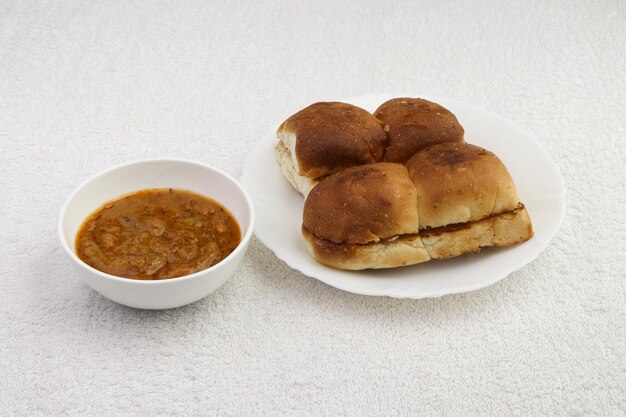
x,y
459,199
325,138
413,124
504,229
363,204
460,183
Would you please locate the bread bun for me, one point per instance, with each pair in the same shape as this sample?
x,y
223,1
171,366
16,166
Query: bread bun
x,y
363,204
450,199
460,183
442,243
413,124
325,138
395,188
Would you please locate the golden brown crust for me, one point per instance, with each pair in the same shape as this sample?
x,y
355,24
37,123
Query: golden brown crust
x,y
503,229
363,204
450,198
333,136
459,183
413,124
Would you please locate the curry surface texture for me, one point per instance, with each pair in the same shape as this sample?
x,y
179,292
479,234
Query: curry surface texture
x,y
157,234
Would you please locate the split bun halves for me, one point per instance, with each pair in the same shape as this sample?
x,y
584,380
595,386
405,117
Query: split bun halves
x,y
433,196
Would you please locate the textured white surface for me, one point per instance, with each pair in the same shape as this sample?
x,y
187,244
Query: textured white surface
x,y
86,85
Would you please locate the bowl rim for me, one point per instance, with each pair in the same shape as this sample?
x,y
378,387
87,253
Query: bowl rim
x,y
241,246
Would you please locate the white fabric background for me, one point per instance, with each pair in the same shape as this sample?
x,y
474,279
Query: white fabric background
x,y
87,85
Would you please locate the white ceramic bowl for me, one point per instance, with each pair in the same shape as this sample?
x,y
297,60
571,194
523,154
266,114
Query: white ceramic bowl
x,y
157,173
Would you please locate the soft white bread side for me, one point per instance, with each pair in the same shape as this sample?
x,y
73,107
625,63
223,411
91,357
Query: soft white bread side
x,y
288,167
325,138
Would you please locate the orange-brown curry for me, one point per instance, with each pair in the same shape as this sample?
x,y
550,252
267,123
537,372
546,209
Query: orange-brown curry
x,y
157,234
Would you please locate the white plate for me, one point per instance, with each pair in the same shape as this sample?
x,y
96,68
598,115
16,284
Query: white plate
x,y
539,185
